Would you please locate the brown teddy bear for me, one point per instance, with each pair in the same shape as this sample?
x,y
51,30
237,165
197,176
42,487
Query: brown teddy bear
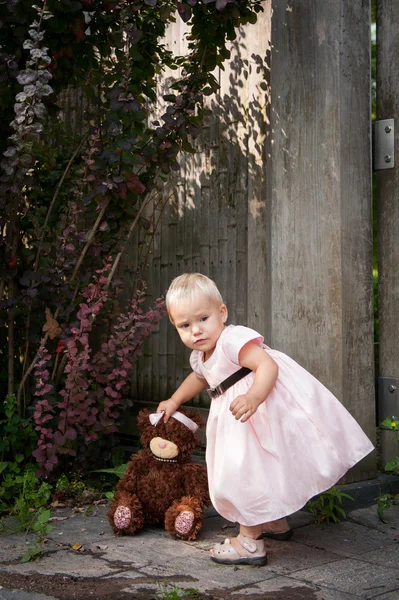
x,y
161,484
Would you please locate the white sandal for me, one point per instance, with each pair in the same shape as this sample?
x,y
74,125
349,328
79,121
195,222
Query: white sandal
x,y
248,552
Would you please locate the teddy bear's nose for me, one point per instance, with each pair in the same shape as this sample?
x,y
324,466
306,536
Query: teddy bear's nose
x,y
162,444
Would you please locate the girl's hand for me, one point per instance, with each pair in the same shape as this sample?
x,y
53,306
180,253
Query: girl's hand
x,y
265,369
243,407
168,407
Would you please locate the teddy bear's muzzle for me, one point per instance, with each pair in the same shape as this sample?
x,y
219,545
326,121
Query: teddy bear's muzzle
x,y
162,448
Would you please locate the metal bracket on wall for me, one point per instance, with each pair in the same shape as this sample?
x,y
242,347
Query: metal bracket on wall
x,y
388,398
383,144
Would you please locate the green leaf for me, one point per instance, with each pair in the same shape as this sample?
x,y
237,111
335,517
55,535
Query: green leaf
x,y
32,552
389,466
44,516
119,471
19,458
341,511
169,97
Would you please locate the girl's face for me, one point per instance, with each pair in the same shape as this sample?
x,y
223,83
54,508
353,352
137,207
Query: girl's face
x,y
199,323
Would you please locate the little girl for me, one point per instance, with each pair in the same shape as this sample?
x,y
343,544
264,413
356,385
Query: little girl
x,y
276,436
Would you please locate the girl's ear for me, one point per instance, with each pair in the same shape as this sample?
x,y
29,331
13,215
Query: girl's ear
x,y
224,313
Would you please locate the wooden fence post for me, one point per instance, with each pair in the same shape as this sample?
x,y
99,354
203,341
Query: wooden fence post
x,y
388,207
320,199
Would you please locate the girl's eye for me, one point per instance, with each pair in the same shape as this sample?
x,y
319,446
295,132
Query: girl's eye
x,y
184,326
204,318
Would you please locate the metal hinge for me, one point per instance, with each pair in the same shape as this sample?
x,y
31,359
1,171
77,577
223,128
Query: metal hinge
x,y
388,405
383,144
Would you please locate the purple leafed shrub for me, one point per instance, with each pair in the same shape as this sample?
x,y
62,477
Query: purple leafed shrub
x,y
89,403
44,412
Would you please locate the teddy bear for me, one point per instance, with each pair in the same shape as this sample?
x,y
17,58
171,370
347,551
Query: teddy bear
x,y
161,484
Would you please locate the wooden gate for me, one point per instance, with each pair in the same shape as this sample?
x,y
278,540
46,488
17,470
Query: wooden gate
x,y
276,205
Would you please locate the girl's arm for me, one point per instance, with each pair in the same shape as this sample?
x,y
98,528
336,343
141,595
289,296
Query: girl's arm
x,y
266,371
190,387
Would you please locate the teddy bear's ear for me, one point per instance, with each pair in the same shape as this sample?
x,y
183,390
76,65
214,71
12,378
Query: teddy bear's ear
x,y
143,420
195,416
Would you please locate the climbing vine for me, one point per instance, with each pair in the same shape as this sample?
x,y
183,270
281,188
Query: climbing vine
x,y
73,197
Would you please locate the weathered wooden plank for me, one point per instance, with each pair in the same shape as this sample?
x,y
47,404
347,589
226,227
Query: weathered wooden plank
x,y
213,213
163,328
388,205
356,222
314,197
195,198
258,220
305,222
156,276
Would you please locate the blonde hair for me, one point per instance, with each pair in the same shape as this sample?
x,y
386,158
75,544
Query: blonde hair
x,y
188,287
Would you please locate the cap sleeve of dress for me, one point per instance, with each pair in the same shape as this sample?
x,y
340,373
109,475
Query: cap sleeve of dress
x,y
236,337
195,359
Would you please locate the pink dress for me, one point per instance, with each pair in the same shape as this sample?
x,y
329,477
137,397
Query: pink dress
x,y
297,444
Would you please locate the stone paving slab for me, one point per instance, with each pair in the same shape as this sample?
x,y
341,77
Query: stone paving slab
x,y
63,562
386,557
207,576
19,595
288,557
286,588
354,577
12,548
390,596
369,518
346,539
78,528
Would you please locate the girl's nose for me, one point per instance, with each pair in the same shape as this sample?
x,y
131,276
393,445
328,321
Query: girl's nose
x,y
162,444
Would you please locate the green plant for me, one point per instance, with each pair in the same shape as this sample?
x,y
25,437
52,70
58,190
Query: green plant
x,y
29,509
17,440
41,528
34,495
117,471
327,506
384,501
17,478
168,591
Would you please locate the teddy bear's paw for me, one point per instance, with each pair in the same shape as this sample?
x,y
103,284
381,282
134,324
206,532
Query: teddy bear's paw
x,y
122,517
184,522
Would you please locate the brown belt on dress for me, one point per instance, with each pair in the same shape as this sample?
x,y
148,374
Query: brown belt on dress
x,y
227,383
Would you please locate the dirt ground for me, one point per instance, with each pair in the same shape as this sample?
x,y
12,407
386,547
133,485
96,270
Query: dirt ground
x,y
64,587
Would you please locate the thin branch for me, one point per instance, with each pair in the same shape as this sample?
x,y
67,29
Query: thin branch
x,y
61,181
11,349
60,371
151,243
129,235
89,240
31,366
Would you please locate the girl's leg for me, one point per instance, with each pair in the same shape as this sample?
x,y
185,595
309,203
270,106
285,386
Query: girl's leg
x,y
277,530
279,526
252,532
